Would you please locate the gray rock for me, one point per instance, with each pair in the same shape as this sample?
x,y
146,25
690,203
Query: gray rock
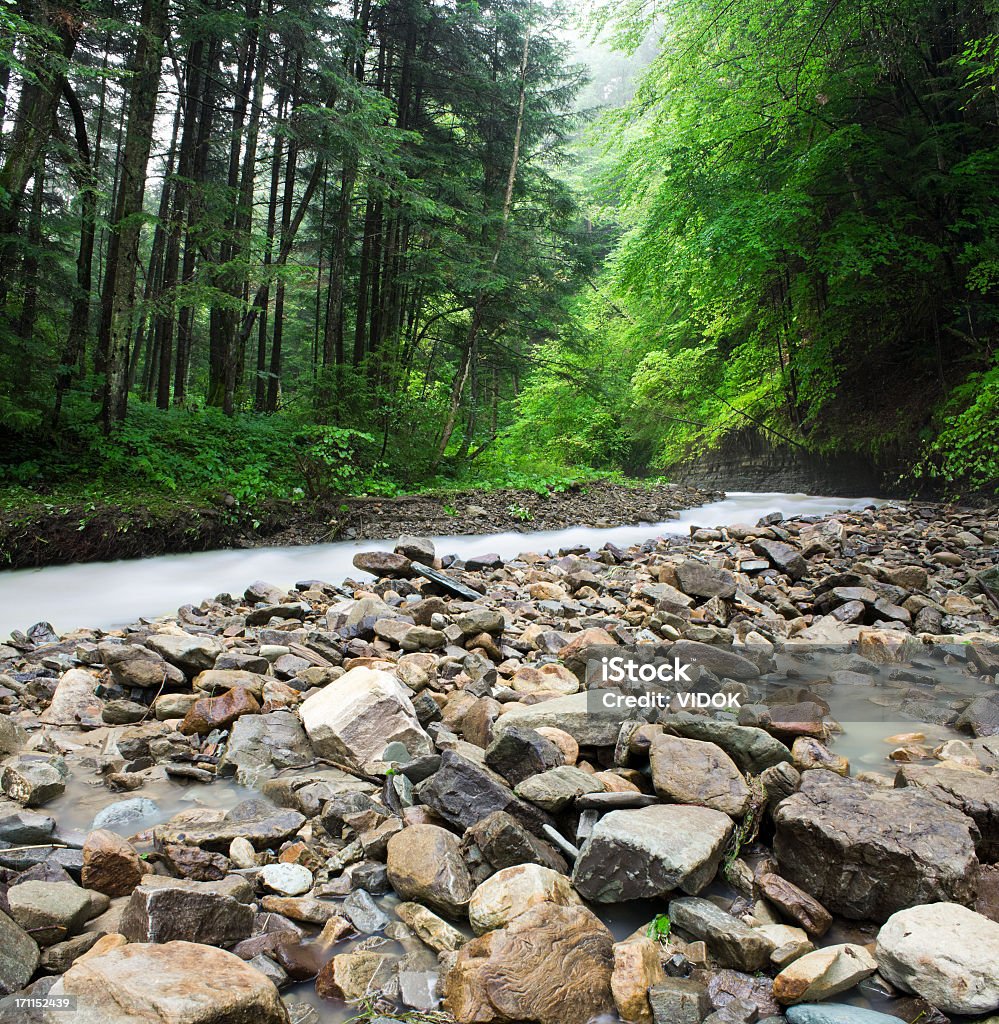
x,y
191,653
731,942
679,1001
49,911
18,956
33,780
20,827
945,953
167,909
259,821
519,753
481,620
384,564
835,1013
981,716
418,549
557,788
12,736
365,915
704,580
651,851
783,556
504,843
865,852
721,661
581,715
121,812
463,793
135,665
261,745
752,749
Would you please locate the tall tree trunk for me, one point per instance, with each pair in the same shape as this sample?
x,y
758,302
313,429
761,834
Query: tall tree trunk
x,y
120,280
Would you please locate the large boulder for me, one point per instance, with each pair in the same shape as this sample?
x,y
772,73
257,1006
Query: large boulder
x,y
174,983
75,701
49,911
261,745
582,715
354,718
945,953
259,821
753,750
164,909
508,893
865,852
697,772
425,864
550,965
650,851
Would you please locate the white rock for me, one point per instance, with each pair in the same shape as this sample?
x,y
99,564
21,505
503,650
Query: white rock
x,y
824,973
511,891
287,879
241,853
355,717
945,953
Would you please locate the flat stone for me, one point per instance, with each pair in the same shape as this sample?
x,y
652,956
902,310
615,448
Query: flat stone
x,y
836,1013
581,715
650,852
174,983
945,953
703,580
354,976
365,915
786,558
74,701
259,821
557,788
431,929
262,745
865,852
121,812
731,942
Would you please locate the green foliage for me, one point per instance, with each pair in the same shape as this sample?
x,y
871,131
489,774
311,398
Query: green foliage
x,y
659,928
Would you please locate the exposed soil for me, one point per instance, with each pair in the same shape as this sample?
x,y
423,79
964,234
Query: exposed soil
x,y
106,533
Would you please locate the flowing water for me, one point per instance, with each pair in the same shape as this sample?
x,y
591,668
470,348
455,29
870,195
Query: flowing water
x,y
106,594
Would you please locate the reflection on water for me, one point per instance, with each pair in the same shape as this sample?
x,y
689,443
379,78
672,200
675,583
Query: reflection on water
x,y
105,594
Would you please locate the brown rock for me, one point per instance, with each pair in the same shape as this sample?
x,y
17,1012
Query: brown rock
x,y
636,970
352,976
110,864
425,864
551,965
795,903
211,713
698,772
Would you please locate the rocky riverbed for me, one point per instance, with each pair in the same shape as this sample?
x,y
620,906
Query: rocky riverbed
x,y
486,790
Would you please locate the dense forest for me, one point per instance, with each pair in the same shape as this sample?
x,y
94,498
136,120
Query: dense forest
x,y
280,248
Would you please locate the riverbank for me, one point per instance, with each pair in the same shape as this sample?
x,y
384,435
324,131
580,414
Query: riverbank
x,y
443,812
50,533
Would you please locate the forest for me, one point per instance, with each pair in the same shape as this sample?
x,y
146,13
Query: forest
x,y
282,249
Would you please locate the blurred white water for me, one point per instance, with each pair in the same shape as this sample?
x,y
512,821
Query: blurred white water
x,y
106,594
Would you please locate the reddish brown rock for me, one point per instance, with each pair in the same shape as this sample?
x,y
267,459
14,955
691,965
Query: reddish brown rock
x,y
219,712
110,864
551,965
795,903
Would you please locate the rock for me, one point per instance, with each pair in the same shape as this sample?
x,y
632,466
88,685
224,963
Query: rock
x,y
286,879
212,713
703,580
508,893
301,908
581,715
636,970
110,864
678,1001
753,750
364,913
504,843
261,745
135,665
190,653
723,662
49,911
865,852
836,1013
12,736
195,863
425,864
781,555
419,549
825,972
551,965
173,705
174,983
121,812
19,956
463,793
481,620
974,793
215,682
795,903
518,754
789,943
74,701
557,788
550,678
354,976
32,780
650,851
945,953
168,909
697,772
259,821
435,932
124,712
419,989
731,942
355,718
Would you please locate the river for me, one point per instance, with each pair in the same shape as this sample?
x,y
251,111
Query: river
x,y
107,594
